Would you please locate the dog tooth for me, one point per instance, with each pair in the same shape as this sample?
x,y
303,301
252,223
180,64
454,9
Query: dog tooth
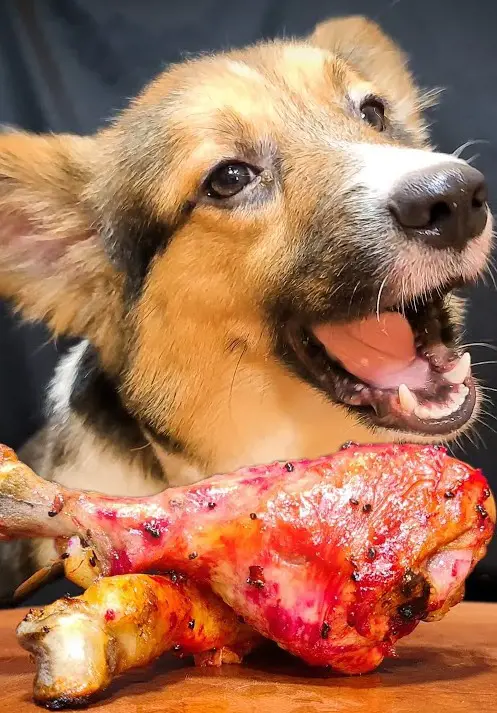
x,y
407,399
460,371
423,412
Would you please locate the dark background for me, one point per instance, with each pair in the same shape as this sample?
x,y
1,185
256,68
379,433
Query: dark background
x,y
69,65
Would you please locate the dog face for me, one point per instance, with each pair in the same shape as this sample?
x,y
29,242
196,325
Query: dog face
x,y
262,247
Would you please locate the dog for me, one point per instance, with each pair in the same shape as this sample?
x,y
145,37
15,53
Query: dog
x,y
258,259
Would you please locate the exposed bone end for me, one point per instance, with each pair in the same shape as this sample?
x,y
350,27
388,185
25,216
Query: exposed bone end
x,y
27,503
73,654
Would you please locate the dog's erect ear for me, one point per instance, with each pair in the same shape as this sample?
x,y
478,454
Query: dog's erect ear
x,y
52,264
360,42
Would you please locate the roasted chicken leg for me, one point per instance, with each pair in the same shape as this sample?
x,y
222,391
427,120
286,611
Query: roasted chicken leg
x,y
123,622
334,559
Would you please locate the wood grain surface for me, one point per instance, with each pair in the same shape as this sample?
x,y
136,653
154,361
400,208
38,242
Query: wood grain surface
x,y
450,666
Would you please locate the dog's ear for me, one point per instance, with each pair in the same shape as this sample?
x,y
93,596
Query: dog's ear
x,y
52,264
362,44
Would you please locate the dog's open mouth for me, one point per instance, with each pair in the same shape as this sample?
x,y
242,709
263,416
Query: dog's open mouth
x,y
399,369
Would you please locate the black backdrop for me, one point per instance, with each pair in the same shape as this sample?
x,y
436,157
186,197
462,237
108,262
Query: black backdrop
x,y
69,65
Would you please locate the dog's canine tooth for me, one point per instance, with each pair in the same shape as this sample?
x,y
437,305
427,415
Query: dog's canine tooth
x,y
407,399
461,370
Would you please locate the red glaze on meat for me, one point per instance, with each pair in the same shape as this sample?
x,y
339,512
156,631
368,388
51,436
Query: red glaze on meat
x,y
334,559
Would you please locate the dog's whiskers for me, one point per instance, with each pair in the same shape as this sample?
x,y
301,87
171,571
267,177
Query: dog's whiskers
x,y
472,142
378,299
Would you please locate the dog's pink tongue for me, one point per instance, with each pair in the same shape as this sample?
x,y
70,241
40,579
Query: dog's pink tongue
x,y
378,350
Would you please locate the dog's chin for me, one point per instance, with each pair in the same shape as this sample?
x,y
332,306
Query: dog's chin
x,y
400,369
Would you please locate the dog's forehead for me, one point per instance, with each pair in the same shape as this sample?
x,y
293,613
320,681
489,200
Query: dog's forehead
x,y
264,82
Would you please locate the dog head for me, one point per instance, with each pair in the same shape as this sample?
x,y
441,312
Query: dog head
x,y
262,247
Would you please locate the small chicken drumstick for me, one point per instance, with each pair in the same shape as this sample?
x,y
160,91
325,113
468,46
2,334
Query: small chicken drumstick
x,y
119,623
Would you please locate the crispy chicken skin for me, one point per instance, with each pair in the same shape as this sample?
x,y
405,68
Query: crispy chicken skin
x,y
334,559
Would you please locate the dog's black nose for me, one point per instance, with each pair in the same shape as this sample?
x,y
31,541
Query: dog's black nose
x,y
444,205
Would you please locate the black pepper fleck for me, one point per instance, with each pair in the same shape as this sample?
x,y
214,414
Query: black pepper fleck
x,y
191,624
193,555
449,494
52,513
253,516
325,630
481,510
367,507
406,611
354,501
93,560
152,529
371,553
486,493
45,629
348,444
289,467
211,506
64,555
177,647
355,576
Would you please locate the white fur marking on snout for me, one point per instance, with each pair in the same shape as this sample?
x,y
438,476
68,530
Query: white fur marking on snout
x,y
382,167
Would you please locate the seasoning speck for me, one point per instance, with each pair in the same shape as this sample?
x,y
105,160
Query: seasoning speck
x,y
191,624
152,529
355,576
480,509
253,516
289,467
348,444
256,576
325,630
93,560
367,507
211,506
449,494
354,501
371,553
193,555
64,555
486,493
406,611
177,647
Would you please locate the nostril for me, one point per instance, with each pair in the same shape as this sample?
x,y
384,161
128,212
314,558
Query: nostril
x,y
479,197
439,212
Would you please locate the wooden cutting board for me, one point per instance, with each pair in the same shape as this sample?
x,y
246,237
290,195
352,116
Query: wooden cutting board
x,y
447,667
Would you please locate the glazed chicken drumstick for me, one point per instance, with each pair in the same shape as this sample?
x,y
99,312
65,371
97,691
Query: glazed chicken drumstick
x,y
334,559
123,622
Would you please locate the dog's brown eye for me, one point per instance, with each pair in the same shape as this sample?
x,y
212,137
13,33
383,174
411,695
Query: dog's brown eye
x,y
373,111
228,180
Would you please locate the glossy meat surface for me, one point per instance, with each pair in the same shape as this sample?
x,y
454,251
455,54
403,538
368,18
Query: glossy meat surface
x,y
334,559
